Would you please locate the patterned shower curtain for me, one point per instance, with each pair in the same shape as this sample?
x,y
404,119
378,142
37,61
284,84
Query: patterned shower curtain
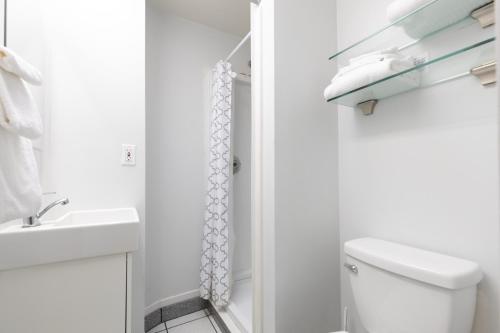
x,y
215,272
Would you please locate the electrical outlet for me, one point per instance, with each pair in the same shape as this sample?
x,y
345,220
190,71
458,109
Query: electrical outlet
x,y
128,154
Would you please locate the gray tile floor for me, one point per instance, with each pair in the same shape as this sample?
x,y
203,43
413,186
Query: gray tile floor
x,y
198,322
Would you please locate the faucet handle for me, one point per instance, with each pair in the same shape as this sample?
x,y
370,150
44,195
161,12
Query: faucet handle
x,y
31,221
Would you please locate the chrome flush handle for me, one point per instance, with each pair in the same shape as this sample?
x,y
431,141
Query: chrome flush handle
x,y
351,267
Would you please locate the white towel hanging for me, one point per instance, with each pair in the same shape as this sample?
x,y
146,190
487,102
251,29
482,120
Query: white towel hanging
x,y
16,65
18,110
20,191
20,121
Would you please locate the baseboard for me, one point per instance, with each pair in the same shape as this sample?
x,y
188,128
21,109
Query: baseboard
x,y
188,302
174,311
171,300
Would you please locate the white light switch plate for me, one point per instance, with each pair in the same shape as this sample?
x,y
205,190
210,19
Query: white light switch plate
x,y
128,154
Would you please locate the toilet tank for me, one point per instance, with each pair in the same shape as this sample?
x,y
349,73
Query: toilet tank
x,y
401,289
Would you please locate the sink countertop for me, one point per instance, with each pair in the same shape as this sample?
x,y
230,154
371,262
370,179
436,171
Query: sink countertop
x,y
75,235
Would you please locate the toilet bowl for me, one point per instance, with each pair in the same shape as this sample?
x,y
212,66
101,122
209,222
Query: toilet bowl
x,y
398,288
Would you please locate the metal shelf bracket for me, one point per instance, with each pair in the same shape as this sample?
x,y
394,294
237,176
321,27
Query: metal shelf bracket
x,y
485,15
368,107
486,73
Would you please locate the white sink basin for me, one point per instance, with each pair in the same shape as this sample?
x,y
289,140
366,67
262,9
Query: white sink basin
x,y
76,235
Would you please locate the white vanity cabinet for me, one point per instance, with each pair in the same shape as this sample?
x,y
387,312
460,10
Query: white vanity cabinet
x,y
69,275
78,296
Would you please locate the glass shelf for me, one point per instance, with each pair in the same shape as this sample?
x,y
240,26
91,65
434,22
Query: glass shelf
x,y
431,72
395,34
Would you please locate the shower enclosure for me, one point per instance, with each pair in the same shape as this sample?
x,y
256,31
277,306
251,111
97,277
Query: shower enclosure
x,y
240,306
186,150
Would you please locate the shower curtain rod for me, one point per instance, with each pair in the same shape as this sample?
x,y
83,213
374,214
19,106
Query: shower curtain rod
x,y
239,46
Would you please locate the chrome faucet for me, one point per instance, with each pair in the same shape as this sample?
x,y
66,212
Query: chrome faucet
x,y
34,221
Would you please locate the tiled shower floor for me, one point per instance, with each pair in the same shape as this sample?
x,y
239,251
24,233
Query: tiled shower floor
x,y
197,322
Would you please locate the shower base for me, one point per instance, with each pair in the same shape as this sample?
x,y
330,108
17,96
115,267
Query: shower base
x,y
238,314
240,308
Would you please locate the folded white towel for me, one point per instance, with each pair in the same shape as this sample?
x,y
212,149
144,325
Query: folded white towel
x,y
363,61
358,75
20,191
436,16
400,8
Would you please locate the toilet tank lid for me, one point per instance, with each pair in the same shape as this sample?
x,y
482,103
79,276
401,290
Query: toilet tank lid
x,y
421,265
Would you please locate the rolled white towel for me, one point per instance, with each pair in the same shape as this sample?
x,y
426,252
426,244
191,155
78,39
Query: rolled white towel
x,y
436,16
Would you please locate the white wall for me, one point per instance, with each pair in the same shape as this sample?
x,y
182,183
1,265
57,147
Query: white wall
x,y
306,212
423,170
180,54
91,54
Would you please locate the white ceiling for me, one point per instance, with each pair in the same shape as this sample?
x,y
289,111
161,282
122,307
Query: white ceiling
x,y
232,16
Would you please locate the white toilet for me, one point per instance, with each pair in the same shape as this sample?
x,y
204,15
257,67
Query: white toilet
x,y
401,289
